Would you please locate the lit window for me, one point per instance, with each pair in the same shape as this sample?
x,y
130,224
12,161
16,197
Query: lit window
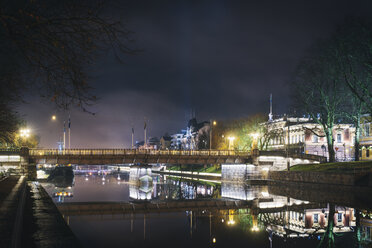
x,y
366,129
316,220
338,138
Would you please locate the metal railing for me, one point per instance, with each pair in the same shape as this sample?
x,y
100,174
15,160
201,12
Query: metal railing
x,y
10,151
113,152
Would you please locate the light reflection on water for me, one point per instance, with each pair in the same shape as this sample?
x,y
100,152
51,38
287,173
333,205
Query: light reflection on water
x,y
269,221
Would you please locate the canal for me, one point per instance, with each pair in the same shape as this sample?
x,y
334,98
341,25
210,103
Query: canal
x,y
200,213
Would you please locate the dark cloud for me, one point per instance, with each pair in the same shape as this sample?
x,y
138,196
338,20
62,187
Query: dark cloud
x,y
221,58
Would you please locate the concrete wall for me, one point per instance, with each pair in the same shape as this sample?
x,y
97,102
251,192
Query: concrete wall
x,y
357,179
278,163
238,172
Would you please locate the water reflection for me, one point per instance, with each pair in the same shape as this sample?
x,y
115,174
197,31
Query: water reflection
x,y
163,210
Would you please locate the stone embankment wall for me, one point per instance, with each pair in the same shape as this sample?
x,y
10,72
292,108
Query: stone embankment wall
x,y
348,179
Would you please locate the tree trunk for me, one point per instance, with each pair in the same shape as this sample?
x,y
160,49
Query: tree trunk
x,y
357,134
330,144
356,145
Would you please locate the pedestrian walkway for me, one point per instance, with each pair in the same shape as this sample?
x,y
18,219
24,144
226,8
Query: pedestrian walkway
x,y
51,228
10,193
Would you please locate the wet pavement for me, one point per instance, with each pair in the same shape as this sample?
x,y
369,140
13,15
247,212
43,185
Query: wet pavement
x,y
46,227
10,190
29,218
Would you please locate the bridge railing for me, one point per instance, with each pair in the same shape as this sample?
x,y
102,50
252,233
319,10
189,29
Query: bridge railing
x,y
95,152
10,151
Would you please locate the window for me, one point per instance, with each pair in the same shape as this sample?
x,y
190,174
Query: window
x,y
339,217
367,153
338,138
303,138
315,138
366,129
316,220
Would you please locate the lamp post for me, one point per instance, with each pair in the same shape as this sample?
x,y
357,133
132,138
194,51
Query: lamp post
x,y
24,134
231,142
255,140
212,123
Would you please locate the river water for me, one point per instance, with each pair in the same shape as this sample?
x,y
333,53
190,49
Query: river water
x,y
203,214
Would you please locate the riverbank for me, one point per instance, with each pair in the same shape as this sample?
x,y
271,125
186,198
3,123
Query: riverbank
x,y
340,173
10,196
44,225
29,218
344,167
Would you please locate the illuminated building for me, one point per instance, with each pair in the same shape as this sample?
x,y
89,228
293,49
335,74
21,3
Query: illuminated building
x,y
365,138
303,135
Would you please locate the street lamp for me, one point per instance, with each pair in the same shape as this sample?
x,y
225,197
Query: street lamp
x,y
255,140
24,133
54,117
212,123
231,140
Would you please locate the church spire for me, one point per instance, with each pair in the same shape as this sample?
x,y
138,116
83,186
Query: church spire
x,y
271,108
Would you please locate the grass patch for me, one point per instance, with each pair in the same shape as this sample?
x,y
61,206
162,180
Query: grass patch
x,y
347,167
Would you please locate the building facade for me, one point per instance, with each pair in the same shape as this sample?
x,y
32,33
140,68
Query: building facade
x,y
194,137
302,135
366,137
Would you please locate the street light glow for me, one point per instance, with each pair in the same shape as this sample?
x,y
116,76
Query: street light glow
x,y
25,133
214,123
54,117
255,135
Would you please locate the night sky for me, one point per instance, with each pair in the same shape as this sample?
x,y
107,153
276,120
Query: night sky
x,y
221,59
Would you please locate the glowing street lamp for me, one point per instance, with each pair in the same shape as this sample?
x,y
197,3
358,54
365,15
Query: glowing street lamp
x,y
231,142
255,140
54,117
214,123
24,133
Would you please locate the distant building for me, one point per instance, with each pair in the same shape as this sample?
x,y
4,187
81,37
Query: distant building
x,y
194,137
366,137
165,142
300,135
153,143
139,144
176,141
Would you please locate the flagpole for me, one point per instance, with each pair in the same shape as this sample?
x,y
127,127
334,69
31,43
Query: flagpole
x,y
145,141
69,132
132,137
64,135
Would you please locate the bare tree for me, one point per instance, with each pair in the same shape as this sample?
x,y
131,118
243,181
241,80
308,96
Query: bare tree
x,y
352,43
9,122
46,46
318,91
